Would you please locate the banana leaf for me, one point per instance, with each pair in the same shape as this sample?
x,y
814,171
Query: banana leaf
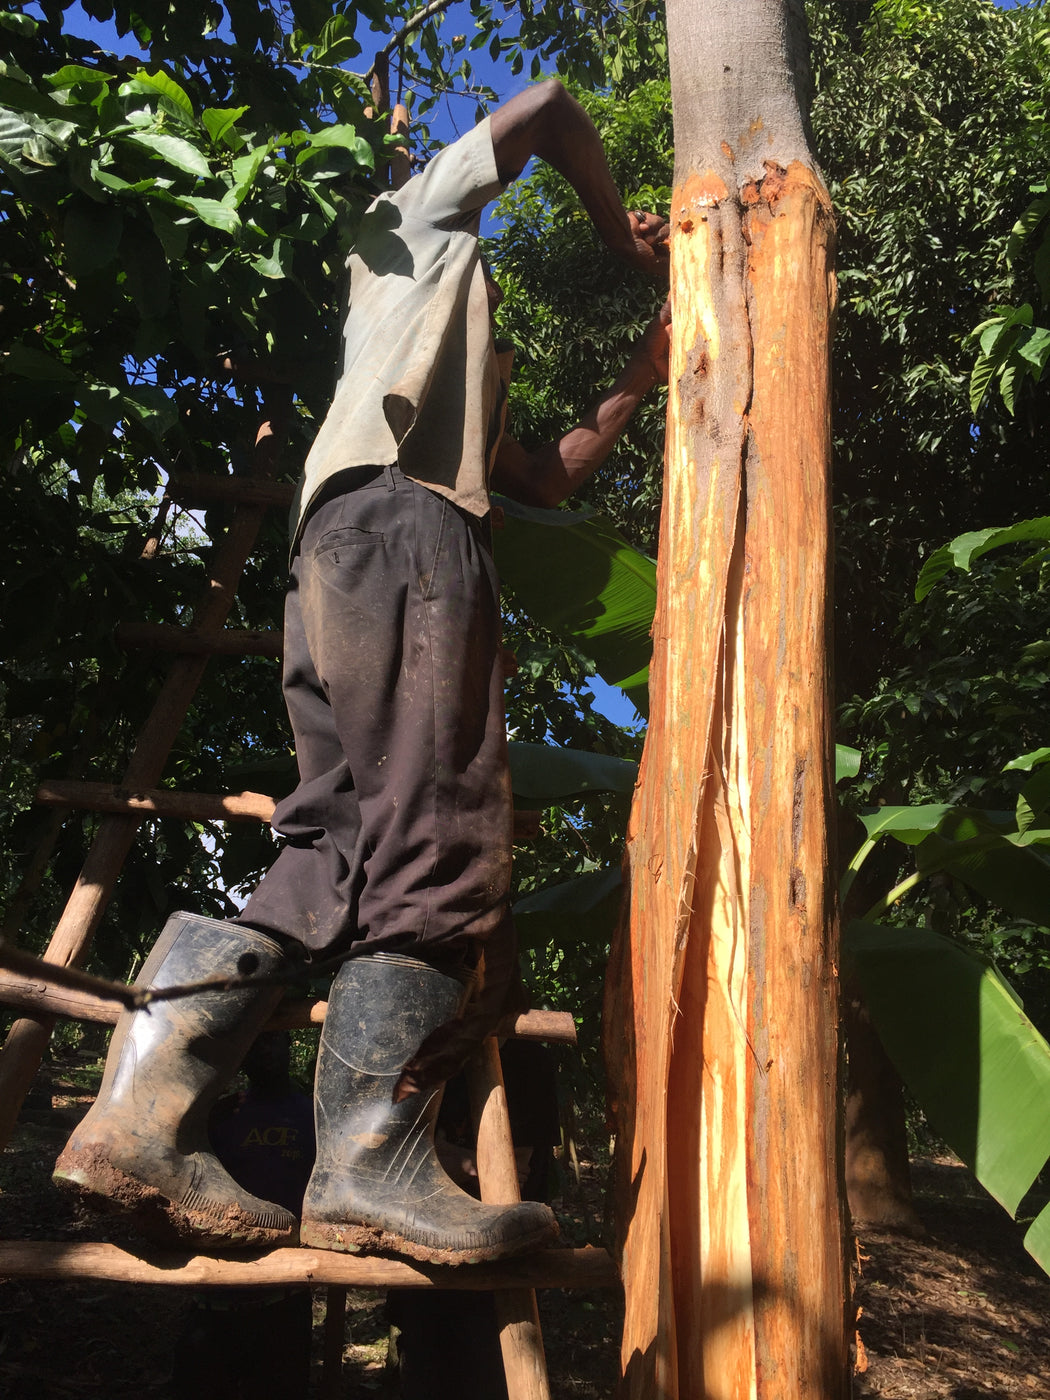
x,y
962,1043
573,572
576,911
542,775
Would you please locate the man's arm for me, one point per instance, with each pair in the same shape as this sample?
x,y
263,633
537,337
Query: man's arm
x,y
546,477
546,121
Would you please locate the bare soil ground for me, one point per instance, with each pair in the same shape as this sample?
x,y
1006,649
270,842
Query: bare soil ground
x,y
961,1314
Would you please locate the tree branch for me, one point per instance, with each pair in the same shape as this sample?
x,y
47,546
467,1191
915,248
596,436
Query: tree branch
x,y
409,27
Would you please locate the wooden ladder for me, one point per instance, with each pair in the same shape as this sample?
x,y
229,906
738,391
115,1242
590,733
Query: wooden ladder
x,y
36,991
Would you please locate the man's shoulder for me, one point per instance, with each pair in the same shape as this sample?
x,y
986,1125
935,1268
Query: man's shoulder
x,y
459,180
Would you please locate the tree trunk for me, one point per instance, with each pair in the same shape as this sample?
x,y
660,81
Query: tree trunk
x,y
723,992
878,1175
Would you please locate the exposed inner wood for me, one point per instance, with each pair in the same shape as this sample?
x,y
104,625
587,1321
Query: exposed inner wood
x,y
732,1248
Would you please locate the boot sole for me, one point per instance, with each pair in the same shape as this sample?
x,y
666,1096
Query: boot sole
x,y
353,1238
109,1190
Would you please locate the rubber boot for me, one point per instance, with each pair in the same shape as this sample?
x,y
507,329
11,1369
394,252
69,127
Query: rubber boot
x,y
143,1146
377,1184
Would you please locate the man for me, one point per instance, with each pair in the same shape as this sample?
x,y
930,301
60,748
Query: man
x,y
398,836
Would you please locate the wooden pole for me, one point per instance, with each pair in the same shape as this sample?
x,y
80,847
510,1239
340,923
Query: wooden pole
x,y
521,1340
158,802
66,1262
723,991
334,1341
28,1037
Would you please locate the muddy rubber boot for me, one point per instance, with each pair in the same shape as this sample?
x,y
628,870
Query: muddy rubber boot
x,y
377,1184
143,1146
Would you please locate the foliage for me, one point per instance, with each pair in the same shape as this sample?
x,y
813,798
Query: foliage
x,y
1012,348
958,1034
972,1055
593,588
930,124
183,217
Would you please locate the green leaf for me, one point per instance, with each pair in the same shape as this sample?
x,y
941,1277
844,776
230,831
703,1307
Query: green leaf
x,y
1025,226
544,775
218,121
1027,761
173,99
573,572
22,25
847,762
980,377
1034,348
344,138
32,363
213,213
974,1061
75,75
909,825
1008,867
961,552
583,910
173,150
245,168
1037,1240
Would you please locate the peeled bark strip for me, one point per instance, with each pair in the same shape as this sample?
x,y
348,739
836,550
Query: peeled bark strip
x,y
726,1082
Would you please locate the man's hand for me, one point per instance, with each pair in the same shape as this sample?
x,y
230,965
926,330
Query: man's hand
x,y
649,248
654,347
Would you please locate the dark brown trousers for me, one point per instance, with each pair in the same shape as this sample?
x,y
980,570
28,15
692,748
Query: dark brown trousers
x,y
398,836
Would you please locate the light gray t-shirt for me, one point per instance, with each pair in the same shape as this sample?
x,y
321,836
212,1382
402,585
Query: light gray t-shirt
x,y
420,383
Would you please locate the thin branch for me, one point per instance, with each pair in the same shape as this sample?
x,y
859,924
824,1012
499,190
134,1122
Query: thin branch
x,y
414,22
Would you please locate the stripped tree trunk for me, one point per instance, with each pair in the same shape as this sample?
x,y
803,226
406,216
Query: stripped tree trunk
x,y
723,991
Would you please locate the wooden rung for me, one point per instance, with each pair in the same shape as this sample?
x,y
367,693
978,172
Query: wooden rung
x,y
52,1259
39,996
157,802
194,806
192,489
185,641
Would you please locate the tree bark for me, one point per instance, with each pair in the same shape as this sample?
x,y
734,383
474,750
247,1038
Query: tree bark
x,y
723,988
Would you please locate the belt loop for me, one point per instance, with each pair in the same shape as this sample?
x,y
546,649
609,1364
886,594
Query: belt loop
x,y
389,474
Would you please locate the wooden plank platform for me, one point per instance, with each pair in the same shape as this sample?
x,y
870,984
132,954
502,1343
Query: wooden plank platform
x,y
70,1262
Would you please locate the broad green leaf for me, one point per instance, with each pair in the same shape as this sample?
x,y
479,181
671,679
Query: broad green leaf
x,y
1027,761
151,406
1010,870
336,42
32,363
847,762
344,138
212,213
961,552
173,150
980,377
1025,226
245,168
73,75
576,911
218,120
1037,1240
974,1061
1035,348
573,572
907,824
173,99
22,25
271,265
544,775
